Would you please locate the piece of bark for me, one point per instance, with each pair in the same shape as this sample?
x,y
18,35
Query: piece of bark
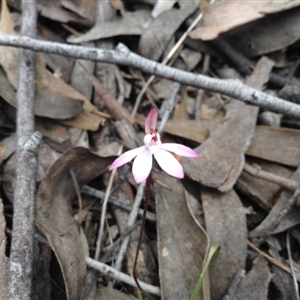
x,y
223,152
269,224
253,285
226,226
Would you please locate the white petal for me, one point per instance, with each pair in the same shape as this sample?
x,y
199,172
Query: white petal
x,y
169,163
142,166
179,149
126,157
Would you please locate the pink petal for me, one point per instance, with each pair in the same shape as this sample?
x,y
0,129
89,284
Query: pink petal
x,y
179,149
126,157
151,120
142,166
169,163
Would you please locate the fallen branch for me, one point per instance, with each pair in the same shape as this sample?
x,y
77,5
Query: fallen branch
x,y
21,253
123,56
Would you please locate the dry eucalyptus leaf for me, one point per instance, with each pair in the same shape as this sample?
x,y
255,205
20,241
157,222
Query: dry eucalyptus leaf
x,y
84,8
57,13
155,38
54,212
226,226
235,14
253,285
52,94
46,104
51,129
182,243
267,226
3,258
132,23
277,144
78,79
268,34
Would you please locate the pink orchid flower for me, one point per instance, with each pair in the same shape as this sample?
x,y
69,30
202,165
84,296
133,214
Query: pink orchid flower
x,y
153,146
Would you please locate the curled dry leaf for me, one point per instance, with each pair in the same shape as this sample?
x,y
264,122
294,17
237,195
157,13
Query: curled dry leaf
x,y
226,226
54,212
182,243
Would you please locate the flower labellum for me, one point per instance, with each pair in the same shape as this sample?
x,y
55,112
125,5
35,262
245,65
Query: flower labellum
x,y
154,147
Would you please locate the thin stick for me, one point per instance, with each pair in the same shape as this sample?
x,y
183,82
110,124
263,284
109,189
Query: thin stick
x,y
104,208
269,258
131,220
77,189
284,182
110,251
116,201
146,201
107,270
288,246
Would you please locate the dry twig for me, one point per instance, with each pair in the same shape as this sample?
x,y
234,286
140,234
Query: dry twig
x,y
123,56
284,182
21,255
